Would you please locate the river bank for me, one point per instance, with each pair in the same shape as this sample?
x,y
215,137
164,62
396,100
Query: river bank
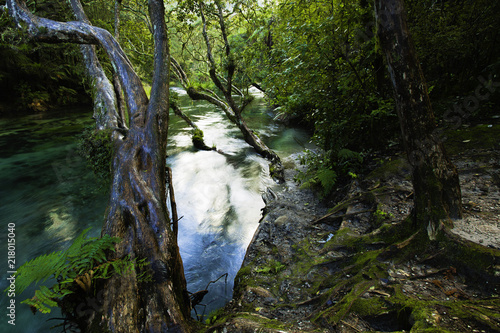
x,y
352,266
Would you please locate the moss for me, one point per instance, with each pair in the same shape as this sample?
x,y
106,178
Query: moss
x,y
242,276
475,261
392,167
341,275
369,306
477,137
197,137
244,321
424,315
271,267
217,315
97,149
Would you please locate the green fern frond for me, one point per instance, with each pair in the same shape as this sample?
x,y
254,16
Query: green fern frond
x,y
78,242
43,300
327,178
67,266
347,154
39,269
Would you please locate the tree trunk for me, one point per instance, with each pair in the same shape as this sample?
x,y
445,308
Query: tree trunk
x,y
137,211
435,179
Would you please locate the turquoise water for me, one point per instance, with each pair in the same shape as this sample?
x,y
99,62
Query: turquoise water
x,y
51,196
47,193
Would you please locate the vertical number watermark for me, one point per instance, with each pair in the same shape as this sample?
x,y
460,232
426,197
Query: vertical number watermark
x,y
11,272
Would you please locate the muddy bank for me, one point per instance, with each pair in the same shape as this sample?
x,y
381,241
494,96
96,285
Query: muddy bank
x,y
352,266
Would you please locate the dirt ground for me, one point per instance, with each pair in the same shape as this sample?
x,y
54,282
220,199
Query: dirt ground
x,y
480,183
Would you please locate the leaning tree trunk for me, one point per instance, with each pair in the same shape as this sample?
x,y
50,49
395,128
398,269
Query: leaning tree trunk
x,y
435,179
231,108
137,211
138,214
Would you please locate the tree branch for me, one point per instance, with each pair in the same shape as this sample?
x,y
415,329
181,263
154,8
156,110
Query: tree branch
x,y
106,105
49,31
230,66
158,105
143,15
213,74
205,36
223,28
181,75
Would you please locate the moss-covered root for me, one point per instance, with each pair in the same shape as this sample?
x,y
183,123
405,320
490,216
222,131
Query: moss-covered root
x,y
389,289
246,322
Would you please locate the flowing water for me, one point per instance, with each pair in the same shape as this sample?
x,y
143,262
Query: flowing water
x,y
50,196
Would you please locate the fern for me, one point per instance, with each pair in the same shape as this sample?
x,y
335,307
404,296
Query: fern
x,y
326,168
77,267
39,269
327,179
349,155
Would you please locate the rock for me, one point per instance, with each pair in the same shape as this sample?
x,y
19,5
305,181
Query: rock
x,y
282,220
259,291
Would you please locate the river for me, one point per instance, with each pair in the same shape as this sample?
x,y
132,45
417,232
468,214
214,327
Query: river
x,y
50,195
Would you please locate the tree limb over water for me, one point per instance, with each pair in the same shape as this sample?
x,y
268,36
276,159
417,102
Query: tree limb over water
x,y
227,103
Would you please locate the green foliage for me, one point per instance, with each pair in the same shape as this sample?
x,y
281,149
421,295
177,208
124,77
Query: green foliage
x,y
272,267
320,72
36,76
96,147
75,269
325,168
456,42
174,98
380,216
320,63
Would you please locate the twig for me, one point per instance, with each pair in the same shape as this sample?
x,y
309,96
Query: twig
x,y
311,300
424,276
339,216
220,277
347,324
407,241
351,200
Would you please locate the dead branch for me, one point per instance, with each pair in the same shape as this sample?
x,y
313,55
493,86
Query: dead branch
x,y
173,204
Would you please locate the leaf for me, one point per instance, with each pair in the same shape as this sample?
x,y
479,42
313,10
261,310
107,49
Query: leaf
x,y
38,269
327,179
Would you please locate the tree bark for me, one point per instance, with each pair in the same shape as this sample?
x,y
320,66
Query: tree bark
x,y
116,79
435,178
137,210
106,104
